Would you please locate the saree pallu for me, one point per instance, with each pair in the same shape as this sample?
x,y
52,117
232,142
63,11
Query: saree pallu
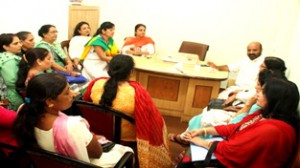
x,y
151,130
62,142
138,41
109,48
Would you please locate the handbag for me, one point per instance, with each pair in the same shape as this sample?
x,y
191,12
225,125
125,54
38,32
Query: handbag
x,y
74,79
216,104
107,146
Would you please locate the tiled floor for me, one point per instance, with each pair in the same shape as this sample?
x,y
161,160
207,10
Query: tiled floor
x,y
174,125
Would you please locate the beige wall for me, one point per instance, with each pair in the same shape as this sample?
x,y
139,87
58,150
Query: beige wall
x,y
226,25
30,15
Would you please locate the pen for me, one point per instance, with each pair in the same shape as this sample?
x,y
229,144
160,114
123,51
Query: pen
x,y
181,71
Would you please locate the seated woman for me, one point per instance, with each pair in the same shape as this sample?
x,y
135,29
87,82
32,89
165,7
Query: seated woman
x,y
99,51
139,44
27,40
266,138
10,46
149,131
204,120
80,37
35,61
271,63
41,124
61,62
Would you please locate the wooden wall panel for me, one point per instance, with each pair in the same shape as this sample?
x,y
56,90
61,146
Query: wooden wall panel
x,y
78,13
163,88
202,96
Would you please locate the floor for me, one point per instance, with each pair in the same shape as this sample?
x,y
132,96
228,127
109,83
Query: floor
x,y
174,125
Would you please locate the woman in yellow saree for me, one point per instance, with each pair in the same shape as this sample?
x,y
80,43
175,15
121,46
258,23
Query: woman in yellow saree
x,y
99,51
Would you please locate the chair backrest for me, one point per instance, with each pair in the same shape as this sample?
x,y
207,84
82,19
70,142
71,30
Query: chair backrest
x,y
65,45
18,157
26,158
12,156
103,120
194,48
46,159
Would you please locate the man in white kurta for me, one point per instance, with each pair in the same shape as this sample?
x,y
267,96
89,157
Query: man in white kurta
x,y
247,70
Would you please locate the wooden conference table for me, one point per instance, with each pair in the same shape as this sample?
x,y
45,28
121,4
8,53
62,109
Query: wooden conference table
x,y
178,89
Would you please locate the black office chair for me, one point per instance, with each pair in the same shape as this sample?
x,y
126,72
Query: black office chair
x,y
12,156
194,48
103,120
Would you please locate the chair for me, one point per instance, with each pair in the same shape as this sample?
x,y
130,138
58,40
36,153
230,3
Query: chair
x,y
12,156
46,159
194,48
65,45
103,120
30,158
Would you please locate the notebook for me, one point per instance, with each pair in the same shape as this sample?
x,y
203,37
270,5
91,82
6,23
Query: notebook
x,y
198,153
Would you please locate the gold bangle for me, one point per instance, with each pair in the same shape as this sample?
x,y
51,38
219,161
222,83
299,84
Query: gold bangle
x,y
205,132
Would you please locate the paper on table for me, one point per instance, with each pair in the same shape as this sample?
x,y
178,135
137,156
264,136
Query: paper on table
x,y
198,153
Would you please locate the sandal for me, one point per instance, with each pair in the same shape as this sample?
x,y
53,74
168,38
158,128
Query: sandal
x,y
176,138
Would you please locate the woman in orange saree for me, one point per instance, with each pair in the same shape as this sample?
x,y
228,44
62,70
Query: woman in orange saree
x,y
139,44
150,129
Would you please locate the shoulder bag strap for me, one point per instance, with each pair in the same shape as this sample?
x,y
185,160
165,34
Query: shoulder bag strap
x,y
210,152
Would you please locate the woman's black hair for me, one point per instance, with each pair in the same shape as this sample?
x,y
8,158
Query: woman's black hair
x,y
275,63
104,26
138,26
283,99
28,60
119,69
39,89
78,27
6,39
23,35
44,30
267,74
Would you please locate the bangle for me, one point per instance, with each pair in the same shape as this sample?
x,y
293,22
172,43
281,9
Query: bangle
x,y
205,132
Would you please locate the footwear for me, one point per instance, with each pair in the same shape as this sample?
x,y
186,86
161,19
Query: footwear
x,y
176,138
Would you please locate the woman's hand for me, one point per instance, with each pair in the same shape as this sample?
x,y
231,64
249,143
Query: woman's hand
x,y
69,68
137,51
199,142
230,99
251,101
232,108
74,73
75,63
211,64
193,133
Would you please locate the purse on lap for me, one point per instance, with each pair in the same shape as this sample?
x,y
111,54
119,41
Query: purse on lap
x,y
216,104
74,79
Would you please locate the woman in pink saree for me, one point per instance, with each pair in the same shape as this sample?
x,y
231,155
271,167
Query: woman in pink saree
x,y
41,124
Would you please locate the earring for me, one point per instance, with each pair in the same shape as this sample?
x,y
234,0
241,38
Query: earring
x,y
50,105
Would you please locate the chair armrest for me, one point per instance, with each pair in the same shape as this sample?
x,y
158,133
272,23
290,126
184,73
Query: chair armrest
x,y
127,160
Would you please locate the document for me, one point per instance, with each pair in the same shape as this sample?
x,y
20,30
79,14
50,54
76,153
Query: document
x,y
198,153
